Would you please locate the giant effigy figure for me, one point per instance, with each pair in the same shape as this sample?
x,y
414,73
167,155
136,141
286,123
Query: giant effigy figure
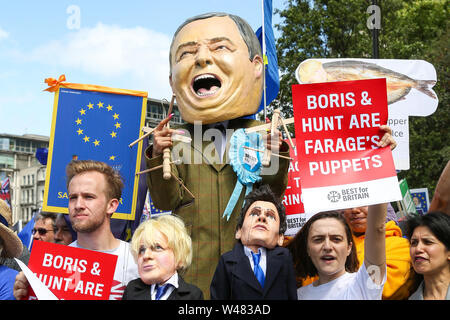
x,y
216,74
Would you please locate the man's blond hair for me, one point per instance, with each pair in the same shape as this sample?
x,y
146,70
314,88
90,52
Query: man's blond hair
x,y
174,230
114,183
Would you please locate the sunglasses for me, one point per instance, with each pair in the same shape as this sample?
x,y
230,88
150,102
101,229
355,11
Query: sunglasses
x,y
41,231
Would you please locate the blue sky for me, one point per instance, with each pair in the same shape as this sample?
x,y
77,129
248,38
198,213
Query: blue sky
x,y
121,44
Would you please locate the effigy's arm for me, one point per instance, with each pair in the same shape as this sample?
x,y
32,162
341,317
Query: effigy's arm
x,y
166,194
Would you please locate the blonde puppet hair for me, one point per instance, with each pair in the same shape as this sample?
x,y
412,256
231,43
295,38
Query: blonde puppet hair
x,y
174,230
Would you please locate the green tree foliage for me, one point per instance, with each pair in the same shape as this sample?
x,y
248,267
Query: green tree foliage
x,y
410,29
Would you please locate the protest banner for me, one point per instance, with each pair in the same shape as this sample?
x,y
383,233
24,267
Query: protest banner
x,y
407,205
421,199
409,86
72,273
337,131
95,123
4,191
292,199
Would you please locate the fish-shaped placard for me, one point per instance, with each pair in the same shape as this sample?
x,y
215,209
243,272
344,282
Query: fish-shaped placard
x,y
403,77
409,86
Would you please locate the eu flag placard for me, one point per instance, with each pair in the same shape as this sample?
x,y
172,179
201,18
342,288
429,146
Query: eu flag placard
x,y
92,124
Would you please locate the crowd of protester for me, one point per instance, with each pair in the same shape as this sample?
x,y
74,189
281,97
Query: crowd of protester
x,y
357,253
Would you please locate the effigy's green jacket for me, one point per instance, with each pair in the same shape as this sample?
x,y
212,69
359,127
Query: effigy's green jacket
x,y
212,184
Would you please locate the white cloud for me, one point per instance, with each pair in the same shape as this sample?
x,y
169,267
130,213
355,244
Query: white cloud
x,y
3,34
137,54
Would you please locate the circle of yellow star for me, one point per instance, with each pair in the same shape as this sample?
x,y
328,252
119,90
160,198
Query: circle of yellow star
x,y
83,111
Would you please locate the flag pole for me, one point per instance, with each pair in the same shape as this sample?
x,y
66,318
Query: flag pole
x,y
263,35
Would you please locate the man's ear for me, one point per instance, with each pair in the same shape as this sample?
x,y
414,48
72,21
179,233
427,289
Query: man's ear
x,y
258,63
280,240
112,206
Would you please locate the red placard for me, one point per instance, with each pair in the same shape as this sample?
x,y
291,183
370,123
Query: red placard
x,y
292,199
338,126
337,131
73,273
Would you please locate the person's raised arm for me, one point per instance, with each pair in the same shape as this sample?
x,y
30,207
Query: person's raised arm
x,y
375,242
441,198
375,238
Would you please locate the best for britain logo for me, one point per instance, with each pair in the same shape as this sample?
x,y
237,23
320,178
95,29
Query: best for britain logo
x,y
334,196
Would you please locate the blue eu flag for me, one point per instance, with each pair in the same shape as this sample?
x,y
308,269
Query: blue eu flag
x,y
91,125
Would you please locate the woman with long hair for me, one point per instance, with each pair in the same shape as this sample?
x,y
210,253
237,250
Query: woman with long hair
x,y
324,248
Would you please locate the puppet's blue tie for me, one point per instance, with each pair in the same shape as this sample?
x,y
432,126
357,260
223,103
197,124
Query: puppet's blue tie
x,y
259,274
160,290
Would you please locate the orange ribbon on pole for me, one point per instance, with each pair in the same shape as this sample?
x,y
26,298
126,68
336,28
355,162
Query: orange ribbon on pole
x,y
53,86
53,83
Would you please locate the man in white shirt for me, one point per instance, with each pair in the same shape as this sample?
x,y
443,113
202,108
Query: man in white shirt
x,y
94,190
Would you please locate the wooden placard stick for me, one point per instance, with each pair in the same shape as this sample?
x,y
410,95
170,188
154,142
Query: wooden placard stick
x,y
157,167
148,131
287,132
166,151
274,125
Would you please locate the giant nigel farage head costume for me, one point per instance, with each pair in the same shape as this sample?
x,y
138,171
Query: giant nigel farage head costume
x,y
216,68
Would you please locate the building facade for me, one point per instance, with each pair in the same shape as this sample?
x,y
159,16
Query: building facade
x,y
18,162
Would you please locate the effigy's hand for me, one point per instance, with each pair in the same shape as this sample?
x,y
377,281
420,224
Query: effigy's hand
x,y
162,137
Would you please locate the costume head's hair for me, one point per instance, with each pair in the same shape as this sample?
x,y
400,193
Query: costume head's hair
x,y
247,33
263,193
174,230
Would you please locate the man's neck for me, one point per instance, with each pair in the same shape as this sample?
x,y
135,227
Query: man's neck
x,y
100,240
254,249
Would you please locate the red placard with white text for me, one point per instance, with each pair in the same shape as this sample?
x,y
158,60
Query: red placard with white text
x,y
292,199
72,273
337,129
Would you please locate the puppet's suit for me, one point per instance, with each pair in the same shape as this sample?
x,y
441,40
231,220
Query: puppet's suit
x,y
234,278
